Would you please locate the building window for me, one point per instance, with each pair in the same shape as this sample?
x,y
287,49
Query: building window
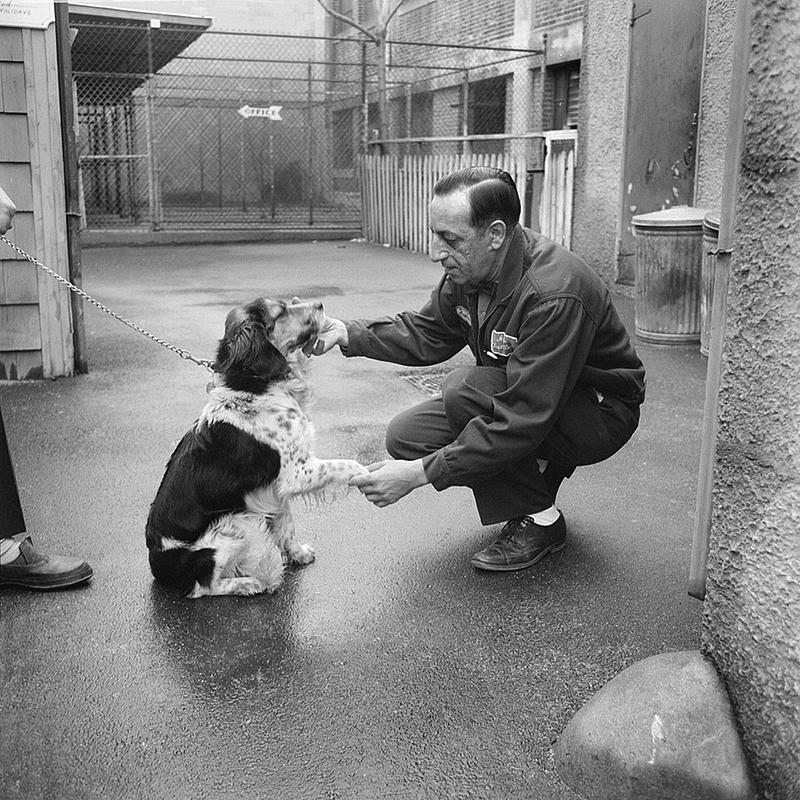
x,y
565,82
487,112
487,106
422,114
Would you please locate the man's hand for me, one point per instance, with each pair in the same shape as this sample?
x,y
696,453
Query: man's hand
x,y
331,332
388,481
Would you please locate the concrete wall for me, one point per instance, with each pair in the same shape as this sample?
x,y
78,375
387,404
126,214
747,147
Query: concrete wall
x,y
752,610
600,134
714,94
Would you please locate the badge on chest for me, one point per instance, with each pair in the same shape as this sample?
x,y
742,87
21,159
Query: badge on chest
x,y
502,345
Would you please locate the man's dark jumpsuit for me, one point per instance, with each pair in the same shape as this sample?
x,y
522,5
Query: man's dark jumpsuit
x,y
556,378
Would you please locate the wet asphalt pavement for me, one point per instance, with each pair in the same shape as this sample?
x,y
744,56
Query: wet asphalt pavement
x,y
389,668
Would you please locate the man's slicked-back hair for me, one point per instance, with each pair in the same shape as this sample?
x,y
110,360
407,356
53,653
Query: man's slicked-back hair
x,y
492,194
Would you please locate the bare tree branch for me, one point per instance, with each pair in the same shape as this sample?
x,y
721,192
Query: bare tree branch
x,y
385,10
385,25
348,21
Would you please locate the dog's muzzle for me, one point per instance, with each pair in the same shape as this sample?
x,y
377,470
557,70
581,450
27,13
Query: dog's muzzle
x,y
314,317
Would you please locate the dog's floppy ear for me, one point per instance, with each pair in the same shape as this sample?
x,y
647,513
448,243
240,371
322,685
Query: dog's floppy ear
x,y
246,350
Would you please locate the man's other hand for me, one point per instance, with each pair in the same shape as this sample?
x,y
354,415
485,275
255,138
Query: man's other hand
x,y
388,481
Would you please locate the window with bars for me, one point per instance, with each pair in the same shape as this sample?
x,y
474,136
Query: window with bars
x,y
487,106
487,112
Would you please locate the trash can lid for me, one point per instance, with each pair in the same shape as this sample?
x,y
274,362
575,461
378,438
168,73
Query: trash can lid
x,y
675,217
711,221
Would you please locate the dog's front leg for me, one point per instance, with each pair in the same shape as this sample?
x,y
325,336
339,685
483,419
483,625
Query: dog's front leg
x,y
316,474
283,531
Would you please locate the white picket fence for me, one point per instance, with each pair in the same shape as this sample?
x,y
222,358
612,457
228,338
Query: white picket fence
x,y
555,208
396,191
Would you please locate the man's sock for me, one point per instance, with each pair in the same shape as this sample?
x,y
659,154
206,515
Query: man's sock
x,y
9,550
546,517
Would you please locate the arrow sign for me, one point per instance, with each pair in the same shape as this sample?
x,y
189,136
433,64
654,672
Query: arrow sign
x,y
271,112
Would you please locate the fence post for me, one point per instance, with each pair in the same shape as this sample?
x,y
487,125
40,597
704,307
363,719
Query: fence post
x,y
155,189
466,148
71,180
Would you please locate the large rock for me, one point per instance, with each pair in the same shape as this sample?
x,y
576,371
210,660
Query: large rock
x,y
662,730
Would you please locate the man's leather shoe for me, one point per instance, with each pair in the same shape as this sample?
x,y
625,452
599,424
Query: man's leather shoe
x,y
33,570
521,544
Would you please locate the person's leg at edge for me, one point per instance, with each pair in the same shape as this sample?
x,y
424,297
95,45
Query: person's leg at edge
x,y
20,563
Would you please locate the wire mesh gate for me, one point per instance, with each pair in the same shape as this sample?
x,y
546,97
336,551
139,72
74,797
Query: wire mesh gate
x,y
210,139
180,128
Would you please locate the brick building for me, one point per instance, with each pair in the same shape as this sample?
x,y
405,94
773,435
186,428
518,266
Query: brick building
x,y
506,68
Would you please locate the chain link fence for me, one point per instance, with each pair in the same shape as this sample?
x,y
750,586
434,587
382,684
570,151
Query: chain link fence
x,y
198,130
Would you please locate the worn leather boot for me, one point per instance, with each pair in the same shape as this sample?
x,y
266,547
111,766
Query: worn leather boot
x,y
34,570
521,544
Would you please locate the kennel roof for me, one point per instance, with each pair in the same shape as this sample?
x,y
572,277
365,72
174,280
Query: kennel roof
x,y
115,50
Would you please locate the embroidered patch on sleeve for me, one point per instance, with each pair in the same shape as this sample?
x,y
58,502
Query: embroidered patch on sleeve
x,y
503,344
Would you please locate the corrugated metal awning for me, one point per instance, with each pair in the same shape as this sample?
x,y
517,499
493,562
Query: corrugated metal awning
x,y
120,48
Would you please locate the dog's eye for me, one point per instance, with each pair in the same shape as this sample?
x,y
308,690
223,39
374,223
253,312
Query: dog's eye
x,y
278,310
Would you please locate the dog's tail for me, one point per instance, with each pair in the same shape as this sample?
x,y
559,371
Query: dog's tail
x,y
181,569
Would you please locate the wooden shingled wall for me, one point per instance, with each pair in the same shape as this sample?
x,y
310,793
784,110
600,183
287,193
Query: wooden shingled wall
x,y
35,316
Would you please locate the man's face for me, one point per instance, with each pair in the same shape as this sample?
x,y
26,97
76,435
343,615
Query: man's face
x,y
466,254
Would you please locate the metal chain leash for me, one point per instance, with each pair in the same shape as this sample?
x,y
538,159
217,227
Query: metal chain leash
x,y
184,354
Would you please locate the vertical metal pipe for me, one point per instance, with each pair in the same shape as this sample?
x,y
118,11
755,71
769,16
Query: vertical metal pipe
x,y
310,168
117,164
466,149
407,146
241,163
271,169
201,147
220,187
132,163
733,155
364,101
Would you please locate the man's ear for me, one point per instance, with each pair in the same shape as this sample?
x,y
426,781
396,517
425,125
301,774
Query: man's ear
x,y
497,234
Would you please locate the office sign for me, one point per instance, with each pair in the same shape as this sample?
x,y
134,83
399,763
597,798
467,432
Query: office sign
x,y
270,112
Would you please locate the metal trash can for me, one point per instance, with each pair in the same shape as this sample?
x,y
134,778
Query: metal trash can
x,y
710,242
667,268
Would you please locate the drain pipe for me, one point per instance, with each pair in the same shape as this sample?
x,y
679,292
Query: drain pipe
x,y
719,310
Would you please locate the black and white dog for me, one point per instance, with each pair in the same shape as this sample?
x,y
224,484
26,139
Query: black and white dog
x,y
221,522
